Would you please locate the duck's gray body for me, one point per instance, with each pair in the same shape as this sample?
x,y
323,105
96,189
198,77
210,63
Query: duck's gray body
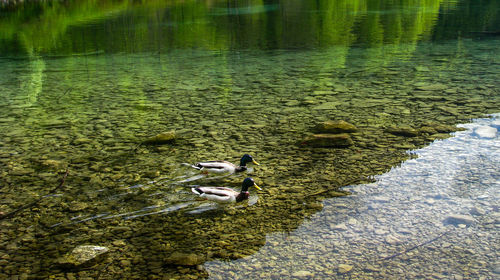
x,y
217,194
224,167
225,195
218,167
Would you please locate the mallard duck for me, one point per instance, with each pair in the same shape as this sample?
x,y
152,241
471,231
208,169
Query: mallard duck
x,y
221,167
226,195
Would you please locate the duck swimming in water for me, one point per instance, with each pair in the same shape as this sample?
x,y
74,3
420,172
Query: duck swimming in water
x,y
226,195
223,167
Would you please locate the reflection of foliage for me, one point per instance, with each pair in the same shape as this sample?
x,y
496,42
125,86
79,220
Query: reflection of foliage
x,y
397,26
470,16
32,87
87,26
42,26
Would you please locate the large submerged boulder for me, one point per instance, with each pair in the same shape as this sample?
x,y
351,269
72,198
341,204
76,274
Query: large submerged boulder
x,y
328,140
84,256
405,131
430,87
443,128
185,259
162,138
457,219
333,127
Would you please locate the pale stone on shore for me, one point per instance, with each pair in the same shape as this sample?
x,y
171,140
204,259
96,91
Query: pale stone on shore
x,y
486,132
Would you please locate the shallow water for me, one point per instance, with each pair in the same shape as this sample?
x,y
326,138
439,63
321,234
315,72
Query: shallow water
x,y
434,217
82,85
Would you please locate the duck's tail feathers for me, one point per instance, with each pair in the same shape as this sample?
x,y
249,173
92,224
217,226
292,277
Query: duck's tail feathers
x,y
197,191
199,167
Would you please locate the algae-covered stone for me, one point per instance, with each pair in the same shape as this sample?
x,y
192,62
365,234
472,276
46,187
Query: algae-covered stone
x,y
328,140
427,130
430,87
334,127
322,92
422,69
186,259
443,128
438,136
162,138
84,256
53,164
81,141
303,274
403,131
76,206
344,268
328,106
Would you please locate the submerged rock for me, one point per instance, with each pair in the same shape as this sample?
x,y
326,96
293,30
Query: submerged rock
x,y
334,127
496,124
438,136
422,69
459,219
54,164
303,274
81,141
186,259
403,131
84,256
443,128
328,140
450,110
162,138
344,268
496,268
76,206
430,87
393,240
327,106
339,227
427,130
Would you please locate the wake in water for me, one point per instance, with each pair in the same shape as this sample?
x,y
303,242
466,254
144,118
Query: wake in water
x,y
165,195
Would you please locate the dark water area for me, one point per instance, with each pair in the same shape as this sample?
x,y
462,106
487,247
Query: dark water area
x,y
84,83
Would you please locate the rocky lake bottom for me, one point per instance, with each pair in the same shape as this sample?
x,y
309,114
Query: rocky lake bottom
x,y
434,217
89,115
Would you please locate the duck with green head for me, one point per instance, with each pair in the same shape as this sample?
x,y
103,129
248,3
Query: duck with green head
x,y
226,195
224,167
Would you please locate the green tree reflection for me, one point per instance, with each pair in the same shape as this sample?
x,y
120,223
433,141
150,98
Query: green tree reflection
x,y
53,27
